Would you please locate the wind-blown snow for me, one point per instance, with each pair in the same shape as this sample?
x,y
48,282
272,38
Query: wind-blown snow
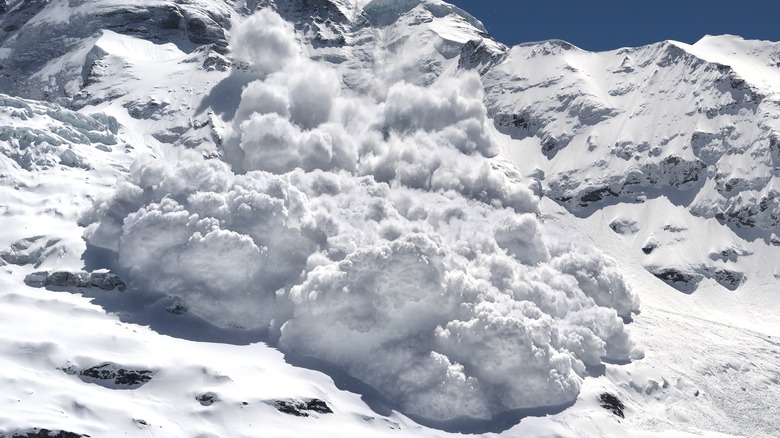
x,y
266,41
389,227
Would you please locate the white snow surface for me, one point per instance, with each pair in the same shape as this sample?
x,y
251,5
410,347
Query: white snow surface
x,y
350,207
136,49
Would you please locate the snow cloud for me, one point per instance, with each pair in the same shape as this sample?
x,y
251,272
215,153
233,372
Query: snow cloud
x,y
385,222
265,41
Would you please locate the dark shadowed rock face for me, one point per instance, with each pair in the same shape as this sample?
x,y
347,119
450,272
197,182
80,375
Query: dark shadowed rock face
x,y
683,281
301,408
649,247
99,280
731,280
613,404
687,280
207,398
113,376
43,433
476,55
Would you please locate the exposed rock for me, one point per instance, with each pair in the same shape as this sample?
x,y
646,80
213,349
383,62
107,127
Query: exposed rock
x,y
19,16
177,307
624,226
476,55
612,403
301,408
729,254
683,281
216,61
670,172
207,398
687,280
680,173
99,280
112,375
320,23
150,109
106,281
31,250
731,280
596,195
673,228
43,433
649,247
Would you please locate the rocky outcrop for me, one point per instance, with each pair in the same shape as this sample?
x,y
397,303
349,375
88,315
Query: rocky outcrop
x,y
730,254
612,403
687,279
42,433
112,375
207,398
479,56
99,280
301,408
29,251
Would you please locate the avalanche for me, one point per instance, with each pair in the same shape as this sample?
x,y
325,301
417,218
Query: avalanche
x,y
394,232
198,200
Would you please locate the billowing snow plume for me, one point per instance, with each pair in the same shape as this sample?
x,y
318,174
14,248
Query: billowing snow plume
x,y
375,235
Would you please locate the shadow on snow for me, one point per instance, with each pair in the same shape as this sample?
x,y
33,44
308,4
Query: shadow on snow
x,y
136,306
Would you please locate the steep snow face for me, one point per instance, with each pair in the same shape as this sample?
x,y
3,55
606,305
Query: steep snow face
x,y
45,45
698,123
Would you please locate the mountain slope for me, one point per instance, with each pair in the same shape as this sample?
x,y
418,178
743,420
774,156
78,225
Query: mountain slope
x,y
350,203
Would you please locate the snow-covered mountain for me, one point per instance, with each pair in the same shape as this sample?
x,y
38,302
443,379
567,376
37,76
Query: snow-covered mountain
x,y
369,218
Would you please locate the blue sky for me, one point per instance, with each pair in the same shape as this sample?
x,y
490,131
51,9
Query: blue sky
x,y
610,24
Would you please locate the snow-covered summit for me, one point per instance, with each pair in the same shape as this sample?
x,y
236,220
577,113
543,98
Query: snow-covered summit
x,y
662,116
